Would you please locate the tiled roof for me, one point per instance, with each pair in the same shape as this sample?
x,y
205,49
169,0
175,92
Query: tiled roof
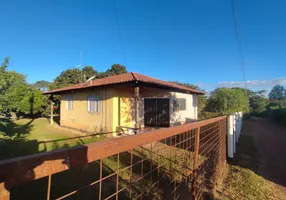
x,y
125,78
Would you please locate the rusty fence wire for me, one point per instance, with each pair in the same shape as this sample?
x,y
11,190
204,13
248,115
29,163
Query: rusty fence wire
x,y
180,162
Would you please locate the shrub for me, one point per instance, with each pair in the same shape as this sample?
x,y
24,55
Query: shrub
x,y
278,114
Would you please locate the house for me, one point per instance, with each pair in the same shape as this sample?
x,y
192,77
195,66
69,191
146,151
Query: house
x,y
126,100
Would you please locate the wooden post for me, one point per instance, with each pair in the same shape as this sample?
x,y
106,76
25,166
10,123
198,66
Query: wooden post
x,y
136,98
195,163
52,108
4,193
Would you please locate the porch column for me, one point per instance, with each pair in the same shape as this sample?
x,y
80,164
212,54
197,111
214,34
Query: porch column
x,y
52,109
136,93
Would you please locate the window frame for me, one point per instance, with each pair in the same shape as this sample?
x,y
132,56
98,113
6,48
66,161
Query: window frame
x,y
93,99
69,102
177,104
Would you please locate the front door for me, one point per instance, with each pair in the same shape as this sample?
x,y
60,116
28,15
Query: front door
x,y
156,112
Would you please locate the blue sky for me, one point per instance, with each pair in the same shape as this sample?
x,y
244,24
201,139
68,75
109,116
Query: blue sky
x,y
190,41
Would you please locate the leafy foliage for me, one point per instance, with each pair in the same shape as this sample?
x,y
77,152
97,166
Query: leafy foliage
x,y
33,102
258,104
277,93
67,77
42,85
114,70
73,76
89,71
228,100
16,96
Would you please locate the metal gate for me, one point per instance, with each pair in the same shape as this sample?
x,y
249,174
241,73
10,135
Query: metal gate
x,y
157,112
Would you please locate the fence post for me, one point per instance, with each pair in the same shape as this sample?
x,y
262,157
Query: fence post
x,y
234,131
195,164
240,122
230,137
4,193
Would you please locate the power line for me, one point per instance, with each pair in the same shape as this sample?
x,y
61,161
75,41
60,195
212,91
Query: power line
x,y
238,39
119,32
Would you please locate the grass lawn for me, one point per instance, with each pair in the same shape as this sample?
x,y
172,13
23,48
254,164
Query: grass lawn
x,y
241,179
29,136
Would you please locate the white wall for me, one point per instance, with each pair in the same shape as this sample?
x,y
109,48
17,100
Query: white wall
x,y
176,117
183,116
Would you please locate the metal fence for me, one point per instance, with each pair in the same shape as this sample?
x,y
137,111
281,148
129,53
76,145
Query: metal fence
x,y
180,162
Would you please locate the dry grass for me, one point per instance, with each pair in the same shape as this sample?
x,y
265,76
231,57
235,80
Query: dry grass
x,y
244,184
241,179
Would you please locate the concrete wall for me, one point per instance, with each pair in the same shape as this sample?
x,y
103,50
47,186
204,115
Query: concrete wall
x,y
79,117
127,109
117,108
183,116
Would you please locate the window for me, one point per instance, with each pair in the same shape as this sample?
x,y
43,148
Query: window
x,y
69,100
179,104
93,103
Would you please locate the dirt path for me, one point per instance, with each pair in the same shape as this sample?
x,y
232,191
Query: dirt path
x,y
270,140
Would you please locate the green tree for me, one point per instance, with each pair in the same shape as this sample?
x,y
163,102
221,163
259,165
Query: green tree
x,y
42,85
277,93
261,93
16,95
228,100
258,104
89,71
73,76
114,70
67,77
12,86
33,102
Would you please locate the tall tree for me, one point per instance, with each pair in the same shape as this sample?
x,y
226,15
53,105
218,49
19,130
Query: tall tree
x,y
33,102
67,77
228,100
42,85
73,76
258,104
89,71
16,95
277,93
114,70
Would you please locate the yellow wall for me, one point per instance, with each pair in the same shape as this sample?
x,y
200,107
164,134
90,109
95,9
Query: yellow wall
x,y
116,108
125,102
80,118
127,111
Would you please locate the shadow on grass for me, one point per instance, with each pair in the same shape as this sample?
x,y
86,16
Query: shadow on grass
x,y
247,154
12,139
159,182
9,128
84,181
14,142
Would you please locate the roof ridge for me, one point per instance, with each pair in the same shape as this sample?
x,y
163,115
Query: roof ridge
x,y
124,78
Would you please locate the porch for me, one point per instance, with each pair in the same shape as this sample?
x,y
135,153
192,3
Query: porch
x,y
144,108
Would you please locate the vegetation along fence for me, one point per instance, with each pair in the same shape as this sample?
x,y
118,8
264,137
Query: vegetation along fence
x,y
180,162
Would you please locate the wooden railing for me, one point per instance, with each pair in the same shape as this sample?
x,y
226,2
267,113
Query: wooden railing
x,y
171,163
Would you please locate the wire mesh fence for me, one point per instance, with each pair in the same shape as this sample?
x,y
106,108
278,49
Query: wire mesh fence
x,y
180,162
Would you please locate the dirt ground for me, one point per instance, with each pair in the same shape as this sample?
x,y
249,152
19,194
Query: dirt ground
x,y
270,140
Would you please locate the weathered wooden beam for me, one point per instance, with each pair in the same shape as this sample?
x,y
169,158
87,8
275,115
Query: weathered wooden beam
x,y
136,98
52,109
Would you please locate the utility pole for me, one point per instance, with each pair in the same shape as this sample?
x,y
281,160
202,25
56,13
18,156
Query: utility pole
x,y
81,66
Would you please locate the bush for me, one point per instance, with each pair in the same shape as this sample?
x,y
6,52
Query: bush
x,y
278,114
